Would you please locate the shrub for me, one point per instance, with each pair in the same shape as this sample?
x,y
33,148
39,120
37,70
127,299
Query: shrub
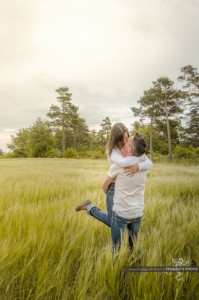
x,y
9,155
188,153
91,154
53,154
71,153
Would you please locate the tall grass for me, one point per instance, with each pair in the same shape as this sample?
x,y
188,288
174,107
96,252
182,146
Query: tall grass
x,y
48,251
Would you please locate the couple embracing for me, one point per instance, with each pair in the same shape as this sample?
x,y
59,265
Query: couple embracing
x,y
124,185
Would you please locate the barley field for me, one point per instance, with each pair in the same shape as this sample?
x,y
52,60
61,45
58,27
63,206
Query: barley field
x,y
49,251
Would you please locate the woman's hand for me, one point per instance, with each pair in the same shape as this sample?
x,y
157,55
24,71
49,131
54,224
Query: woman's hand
x,y
130,171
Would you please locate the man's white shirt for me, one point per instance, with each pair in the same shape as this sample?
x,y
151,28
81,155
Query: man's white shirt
x,y
129,191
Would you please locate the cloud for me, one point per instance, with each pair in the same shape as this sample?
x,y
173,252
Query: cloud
x,y
107,52
10,130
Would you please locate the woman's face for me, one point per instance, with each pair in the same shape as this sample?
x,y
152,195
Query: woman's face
x,y
128,147
126,136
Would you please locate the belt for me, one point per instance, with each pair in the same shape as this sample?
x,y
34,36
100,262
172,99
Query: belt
x,y
126,219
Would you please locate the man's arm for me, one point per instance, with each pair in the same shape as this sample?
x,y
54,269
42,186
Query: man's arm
x,y
108,180
112,173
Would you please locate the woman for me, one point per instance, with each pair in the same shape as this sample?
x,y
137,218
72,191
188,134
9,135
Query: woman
x,y
114,150
118,137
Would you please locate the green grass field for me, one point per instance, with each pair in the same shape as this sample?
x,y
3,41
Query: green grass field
x,y
48,251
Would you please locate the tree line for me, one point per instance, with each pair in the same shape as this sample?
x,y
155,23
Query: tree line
x,y
172,114
64,134
168,119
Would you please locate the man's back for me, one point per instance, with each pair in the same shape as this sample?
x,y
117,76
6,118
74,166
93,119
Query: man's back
x,y
129,192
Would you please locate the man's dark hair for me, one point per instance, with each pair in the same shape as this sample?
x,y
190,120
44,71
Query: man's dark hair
x,y
139,145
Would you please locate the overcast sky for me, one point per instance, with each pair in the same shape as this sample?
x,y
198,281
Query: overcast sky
x,y
107,52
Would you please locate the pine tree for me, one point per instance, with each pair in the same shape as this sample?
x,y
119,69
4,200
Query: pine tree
x,y
62,114
149,108
190,79
105,130
169,99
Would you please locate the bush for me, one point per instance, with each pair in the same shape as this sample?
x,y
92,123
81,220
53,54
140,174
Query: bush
x,y
188,153
9,155
95,154
71,153
53,154
157,157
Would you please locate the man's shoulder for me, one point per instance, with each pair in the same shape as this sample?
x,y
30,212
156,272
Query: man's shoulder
x,y
114,170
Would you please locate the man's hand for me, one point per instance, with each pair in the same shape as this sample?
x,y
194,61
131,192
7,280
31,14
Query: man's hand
x,y
130,171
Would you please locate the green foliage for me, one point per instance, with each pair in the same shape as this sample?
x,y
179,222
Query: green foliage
x,y
104,131
190,80
8,155
66,120
160,104
160,142
41,139
71,153
53,154
20,143
61,114
186,152
94,141
93,154
158,111
142,129
35,141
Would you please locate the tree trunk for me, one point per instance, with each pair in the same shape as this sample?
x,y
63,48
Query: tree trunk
x,y
151,139
63,140
168,132
75,141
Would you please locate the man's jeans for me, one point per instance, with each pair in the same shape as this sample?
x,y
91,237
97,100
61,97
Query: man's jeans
x,y
119,224
98,213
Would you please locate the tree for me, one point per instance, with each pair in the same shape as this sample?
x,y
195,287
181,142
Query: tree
x,y
190,79
159,104
105,130
149,108
35,141
169,99
62,114
144,130
20,143
1,152
41,139
161,132
78,128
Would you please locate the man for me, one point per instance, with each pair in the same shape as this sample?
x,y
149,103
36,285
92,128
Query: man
x,y
128,197
129,194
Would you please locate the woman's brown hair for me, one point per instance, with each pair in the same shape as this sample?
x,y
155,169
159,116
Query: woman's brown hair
x,y
116,137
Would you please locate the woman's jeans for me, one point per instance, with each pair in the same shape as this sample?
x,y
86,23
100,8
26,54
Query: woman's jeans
x,y
119,224
98,213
